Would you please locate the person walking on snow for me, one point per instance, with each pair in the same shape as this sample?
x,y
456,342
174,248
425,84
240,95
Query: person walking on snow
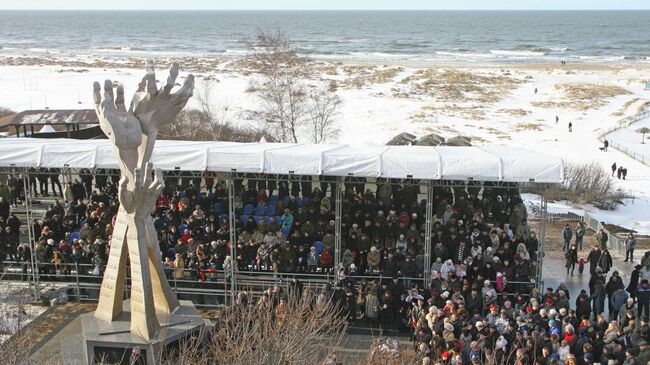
x,y
567,233
630,244
613,168
570,127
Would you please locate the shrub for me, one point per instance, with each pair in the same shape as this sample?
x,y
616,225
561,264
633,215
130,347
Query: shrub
x,y
590,183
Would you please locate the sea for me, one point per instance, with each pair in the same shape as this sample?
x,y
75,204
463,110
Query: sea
x,y
437,36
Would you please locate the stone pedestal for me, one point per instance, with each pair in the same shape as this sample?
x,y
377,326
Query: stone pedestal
x,y
113,342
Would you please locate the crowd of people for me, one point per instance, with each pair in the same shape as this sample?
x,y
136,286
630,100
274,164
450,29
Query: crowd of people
x,y
480,306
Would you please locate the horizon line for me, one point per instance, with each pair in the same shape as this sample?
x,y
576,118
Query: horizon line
x,y
413,9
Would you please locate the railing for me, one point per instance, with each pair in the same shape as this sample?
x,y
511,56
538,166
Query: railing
x,y
554,212
624,123
612,240
79,282
634,154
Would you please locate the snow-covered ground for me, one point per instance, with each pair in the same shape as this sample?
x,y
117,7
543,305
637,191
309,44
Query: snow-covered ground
x,y
627,139
16,310
493,104
632,215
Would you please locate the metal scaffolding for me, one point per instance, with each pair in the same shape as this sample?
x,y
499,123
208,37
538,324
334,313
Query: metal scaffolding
x,y
338,184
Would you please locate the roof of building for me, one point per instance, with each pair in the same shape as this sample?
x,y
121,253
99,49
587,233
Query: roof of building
x,y
51,117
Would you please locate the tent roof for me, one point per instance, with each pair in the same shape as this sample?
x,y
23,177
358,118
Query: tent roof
x,y
419,162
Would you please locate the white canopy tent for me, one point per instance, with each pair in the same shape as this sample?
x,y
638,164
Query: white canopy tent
x,y
506,164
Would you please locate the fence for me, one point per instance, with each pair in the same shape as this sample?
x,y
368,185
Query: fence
x,y
624,123
82,283
559,213
613,241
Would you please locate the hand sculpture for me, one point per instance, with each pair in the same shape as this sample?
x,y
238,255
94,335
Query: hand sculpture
x,y
150,110
142,199
120,126
158,108
133,134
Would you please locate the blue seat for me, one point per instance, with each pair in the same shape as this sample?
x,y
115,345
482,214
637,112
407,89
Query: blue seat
x,y
258,217
278,219
305,200
267,219
270,211
81,224
261,208
285,231
244,218
217,207
273,199
74,235
299,201
285,200
182,228
210,196
248,209
222,217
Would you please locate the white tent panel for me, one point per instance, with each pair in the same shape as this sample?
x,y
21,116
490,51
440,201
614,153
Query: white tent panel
x,y
105,157
169,157
353,161
240,157
19,155
417,162
78,155
462,163
297,159
521,165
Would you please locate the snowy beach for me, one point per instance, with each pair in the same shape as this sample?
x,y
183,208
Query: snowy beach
x,y
493,104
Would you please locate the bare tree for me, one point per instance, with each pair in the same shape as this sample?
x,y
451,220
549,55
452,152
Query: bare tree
x,y
5,111
323,111
590,183
292,332
288,108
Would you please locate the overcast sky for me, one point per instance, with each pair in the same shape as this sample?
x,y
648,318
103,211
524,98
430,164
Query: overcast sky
x,y
324,4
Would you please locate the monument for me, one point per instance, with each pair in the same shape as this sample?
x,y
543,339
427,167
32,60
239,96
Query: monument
x,y
152,318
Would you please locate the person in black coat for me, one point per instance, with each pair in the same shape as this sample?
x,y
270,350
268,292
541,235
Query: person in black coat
x,y
571,257
634,281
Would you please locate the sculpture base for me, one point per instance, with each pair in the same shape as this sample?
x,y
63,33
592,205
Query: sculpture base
x,y
113,343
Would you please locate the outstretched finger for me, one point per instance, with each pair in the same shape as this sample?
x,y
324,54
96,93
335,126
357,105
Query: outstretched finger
x,y
108,91
119,98
171,80
97,93
151,77
188,88
148,170
142,86
158,181
138,177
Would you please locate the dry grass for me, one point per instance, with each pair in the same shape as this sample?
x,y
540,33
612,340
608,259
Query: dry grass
x,y
591,96
621,111
514,112
528,127
458,86
645,105
430,112
362,76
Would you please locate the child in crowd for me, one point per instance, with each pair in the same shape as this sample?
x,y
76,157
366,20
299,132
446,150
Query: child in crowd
x,y
581,265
